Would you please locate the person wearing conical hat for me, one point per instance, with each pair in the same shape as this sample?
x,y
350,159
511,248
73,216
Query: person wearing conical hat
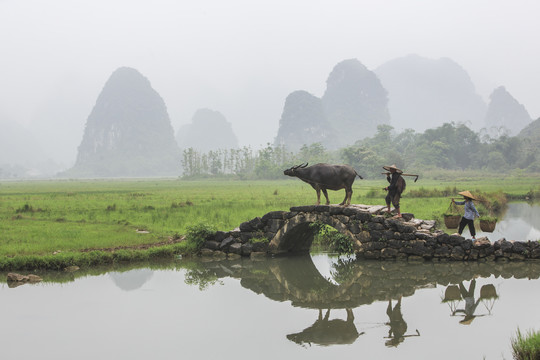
x,y
396,187
470,213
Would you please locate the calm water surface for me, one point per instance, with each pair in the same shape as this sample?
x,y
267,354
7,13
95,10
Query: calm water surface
x,y
309,307
519,221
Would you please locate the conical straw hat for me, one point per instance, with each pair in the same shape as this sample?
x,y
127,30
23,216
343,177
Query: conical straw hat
x,y
467,319
387,168
467,194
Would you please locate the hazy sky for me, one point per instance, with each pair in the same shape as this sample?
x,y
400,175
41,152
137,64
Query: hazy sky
x,y
243,57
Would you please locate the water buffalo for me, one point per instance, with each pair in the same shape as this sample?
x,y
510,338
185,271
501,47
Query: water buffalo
x,y
326,176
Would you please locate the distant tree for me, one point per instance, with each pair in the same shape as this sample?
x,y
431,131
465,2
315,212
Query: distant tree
x,y
364,160
314,153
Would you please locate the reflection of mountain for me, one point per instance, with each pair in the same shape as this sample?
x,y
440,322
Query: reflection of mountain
x,y
131,280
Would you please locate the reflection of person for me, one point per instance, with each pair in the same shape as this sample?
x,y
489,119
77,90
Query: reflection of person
x,y
470,304
398,326
470,213
396,187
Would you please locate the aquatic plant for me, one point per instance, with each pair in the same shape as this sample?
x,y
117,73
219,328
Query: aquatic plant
x,y
526,346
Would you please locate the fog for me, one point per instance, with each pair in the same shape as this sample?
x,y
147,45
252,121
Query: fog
x,y
242,57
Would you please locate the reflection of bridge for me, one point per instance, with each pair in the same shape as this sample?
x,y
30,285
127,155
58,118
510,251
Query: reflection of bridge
x,y
296,279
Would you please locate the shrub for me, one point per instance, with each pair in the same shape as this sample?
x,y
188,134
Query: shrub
x,y
526,347
24,208
328,238
196,235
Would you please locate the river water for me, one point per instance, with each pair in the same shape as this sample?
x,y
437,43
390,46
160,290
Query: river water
x,y
520,221
306,307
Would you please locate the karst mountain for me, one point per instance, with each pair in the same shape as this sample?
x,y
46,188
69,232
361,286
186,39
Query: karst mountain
x,y
352,107
209,130
128,132
506,112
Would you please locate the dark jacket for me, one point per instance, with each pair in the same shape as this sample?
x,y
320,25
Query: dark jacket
x,y
393,188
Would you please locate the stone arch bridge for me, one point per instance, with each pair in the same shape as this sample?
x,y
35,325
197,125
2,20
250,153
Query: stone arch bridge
x,y
373,234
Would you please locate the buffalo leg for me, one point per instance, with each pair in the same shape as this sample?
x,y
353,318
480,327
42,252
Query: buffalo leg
x,y
348,196
318,196
326,196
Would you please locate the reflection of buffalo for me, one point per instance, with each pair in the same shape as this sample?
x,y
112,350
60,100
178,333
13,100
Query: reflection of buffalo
x,y
328,332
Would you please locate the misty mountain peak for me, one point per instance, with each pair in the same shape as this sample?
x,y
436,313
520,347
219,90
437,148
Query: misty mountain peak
x,y
128,132
303,122
505,111
209,130
355,102
426,93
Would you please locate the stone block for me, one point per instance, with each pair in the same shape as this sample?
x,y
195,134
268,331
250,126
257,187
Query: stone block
x,y
274,215
273,225
407,236
246,236
375,226
378,219
457,253
344,219
246,249
503,244
363,216
212,245
372,255
305,208
407,216
206,253
260,247
520,247
220,236
442,252
354,227
226,243
322,208
363,237
389,253
236,248
374,245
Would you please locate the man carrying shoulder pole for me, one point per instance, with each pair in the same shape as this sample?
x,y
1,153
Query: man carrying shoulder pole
x,y
396,187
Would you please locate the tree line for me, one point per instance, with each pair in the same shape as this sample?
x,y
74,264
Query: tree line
x,y
450,147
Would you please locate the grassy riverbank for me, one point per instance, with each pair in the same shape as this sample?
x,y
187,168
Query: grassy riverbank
x,y
80,222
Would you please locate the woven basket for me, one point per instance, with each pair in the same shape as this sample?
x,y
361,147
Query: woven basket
x,y
452,217
452,221
487,226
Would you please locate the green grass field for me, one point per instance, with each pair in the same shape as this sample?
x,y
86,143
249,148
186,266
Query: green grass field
x,y
43,217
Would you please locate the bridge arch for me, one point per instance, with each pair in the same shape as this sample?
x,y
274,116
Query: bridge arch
x,y
297,233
